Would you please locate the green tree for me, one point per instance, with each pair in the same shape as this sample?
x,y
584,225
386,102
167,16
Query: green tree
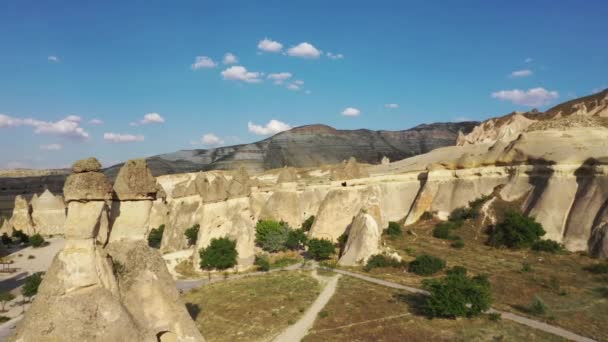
x,y
192,234
306,225
426,265
296,239
156,236
31,284
262,262
21,236
37,240
221,254
271,235
320,249
6,297
457,295
516,231
6,240
393,230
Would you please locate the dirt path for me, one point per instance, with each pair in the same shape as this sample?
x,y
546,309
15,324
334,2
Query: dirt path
x,y
298,330
505,315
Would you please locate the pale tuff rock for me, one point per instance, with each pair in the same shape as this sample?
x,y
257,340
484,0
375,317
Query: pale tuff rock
x,y
86,165
48,213
6,228
184,189
349,170
283,206
91,186
118,292
386,161
183,214
217,189
232,218
21,219
287,175
505,128
135,182
363,240
159,214
240,184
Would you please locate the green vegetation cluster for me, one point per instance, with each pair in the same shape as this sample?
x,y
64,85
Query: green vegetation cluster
x,y
156,236
221,254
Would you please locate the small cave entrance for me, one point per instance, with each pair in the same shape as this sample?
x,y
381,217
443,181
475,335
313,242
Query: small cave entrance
x,y
166,336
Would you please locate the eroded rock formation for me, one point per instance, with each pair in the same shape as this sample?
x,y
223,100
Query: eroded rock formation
x,y
48,213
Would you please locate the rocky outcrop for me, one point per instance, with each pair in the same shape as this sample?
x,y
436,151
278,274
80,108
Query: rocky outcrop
x,y
363,240
135,182
287,175
48,213
348,170
118,292
22,219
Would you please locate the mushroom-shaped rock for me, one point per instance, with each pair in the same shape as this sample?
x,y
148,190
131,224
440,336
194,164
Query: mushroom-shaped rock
x,y
92,186
86,165
135,182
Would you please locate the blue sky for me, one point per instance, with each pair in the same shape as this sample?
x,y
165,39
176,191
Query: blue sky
x,y
152,72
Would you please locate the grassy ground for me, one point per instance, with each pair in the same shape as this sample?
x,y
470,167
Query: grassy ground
x,y
251,309
360,311
574,296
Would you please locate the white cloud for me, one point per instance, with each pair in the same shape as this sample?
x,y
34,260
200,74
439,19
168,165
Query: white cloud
x,y
51,147
211,140
334,56
240,73
95,122
272,127
229,58
279,77
68,127
295,85
462,119
532,97
152,118
269,45
203,62
391,106
350,111
521,73
120,138
53,59
304,50
8,121
528,60
74,118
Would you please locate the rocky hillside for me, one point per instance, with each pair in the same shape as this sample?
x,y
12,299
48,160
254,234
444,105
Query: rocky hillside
x,y
311,145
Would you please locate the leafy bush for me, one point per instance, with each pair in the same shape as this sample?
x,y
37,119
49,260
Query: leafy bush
x,y
462,214
427,215
526,267
192,234
426,265
262,262
6,297
37,240
457,294
306,225
320,249
342,239
381,260
548,246
393,230
221,254
296,239
6,240
442,229
31,284
458,243
494,316
156,236
21,236
538,306
516,231
271,235
598,268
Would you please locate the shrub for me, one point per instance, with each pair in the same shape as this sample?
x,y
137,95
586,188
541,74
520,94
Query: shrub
x,y
221,254
21,236
526,267
31,284
457,294
494,316
306,225
342,239
548,246
6,297
442,230
192,234
538,306
271,235
516,231
320,249
296,239
462,214
381,260
6,240
458,243
156,236
37,241
598,268
262,262
426,265
31,257
427,215
393,230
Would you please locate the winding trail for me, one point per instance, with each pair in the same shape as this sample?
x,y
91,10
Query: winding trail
x,y
297,331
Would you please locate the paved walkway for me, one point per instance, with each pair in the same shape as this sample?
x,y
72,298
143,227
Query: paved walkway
x,y
297,331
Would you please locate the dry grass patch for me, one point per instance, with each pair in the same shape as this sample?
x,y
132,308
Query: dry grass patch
x,y
360,311
251,309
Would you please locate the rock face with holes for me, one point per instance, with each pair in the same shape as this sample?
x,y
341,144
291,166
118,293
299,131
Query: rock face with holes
x,y
115,291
